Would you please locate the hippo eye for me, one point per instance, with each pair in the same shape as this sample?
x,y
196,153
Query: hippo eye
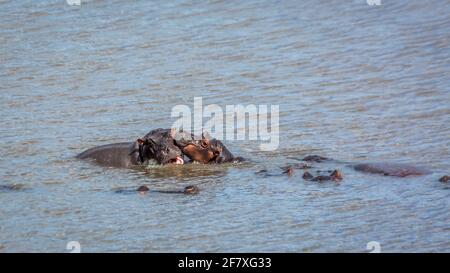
x,y
204,144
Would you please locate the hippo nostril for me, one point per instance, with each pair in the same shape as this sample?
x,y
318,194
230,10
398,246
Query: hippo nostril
x,y
191,190
204,144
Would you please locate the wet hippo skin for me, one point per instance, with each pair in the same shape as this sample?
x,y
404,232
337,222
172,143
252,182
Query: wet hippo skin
x,y
121,155
391,169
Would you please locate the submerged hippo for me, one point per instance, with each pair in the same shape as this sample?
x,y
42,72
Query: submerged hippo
x,y
11,187
444,179
158,145
335,175
191,189
390,169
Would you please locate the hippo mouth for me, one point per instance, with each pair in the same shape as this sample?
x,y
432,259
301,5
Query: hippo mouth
x,y
177,160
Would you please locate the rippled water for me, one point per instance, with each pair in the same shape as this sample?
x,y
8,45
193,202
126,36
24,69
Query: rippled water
x,y
354,82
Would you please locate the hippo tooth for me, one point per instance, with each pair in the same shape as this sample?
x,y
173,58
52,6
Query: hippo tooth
x,y
179,161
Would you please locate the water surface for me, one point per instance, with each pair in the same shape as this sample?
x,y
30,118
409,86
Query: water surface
x,y
354,82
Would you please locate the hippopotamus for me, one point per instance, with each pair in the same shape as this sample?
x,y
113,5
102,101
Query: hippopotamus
x,y
335,175
158,146
391,169
387,169
444,179
11,187
191,189
203,149
164,146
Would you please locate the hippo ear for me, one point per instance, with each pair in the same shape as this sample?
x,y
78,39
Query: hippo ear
x,y
175,134
141,141
150,145
206,135
182,136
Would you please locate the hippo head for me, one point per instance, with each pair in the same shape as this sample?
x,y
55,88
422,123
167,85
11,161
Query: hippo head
x,y
203,149
159,145
196,148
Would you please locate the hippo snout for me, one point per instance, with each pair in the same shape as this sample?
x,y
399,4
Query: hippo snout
x,y
221,153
